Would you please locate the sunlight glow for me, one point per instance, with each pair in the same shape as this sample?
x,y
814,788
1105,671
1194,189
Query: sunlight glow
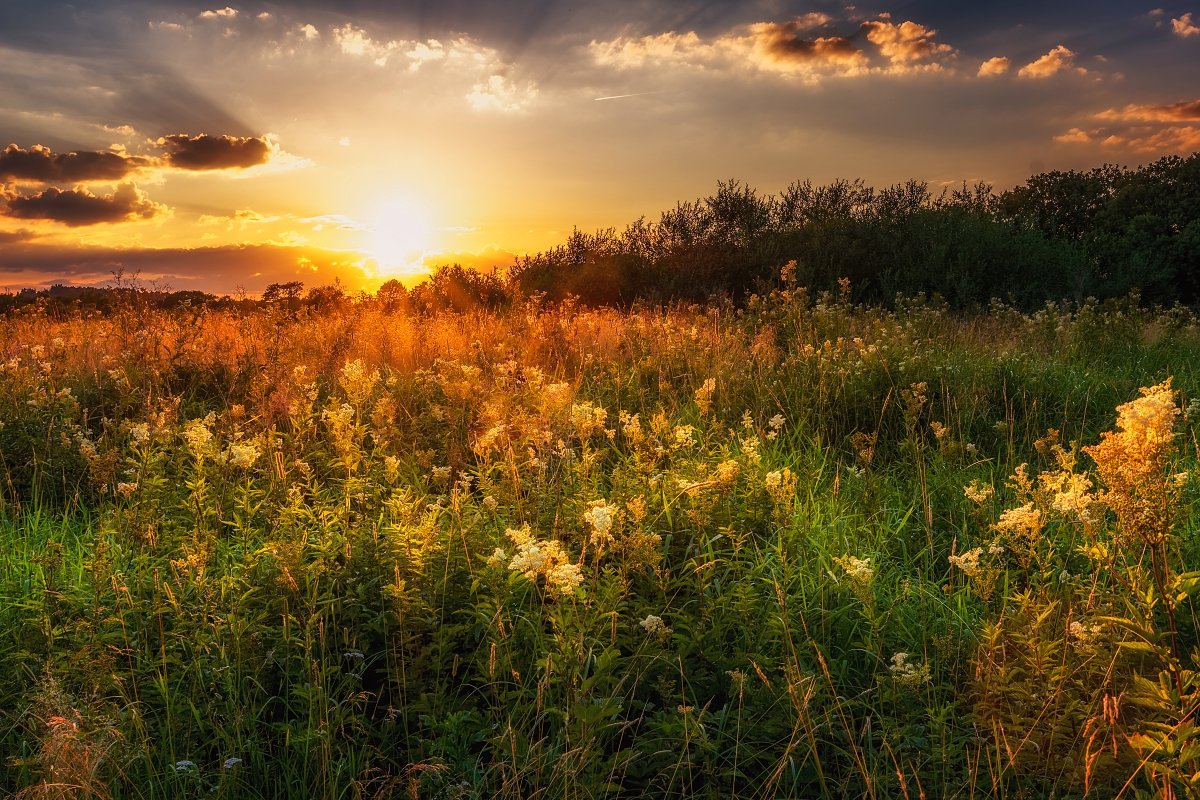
x,y
400,235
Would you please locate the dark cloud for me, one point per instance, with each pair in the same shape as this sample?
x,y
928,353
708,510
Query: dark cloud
x,y
76,207
39,164
784,40
215,152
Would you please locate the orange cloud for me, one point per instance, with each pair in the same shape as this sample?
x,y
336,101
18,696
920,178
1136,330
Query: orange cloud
x,y
1184,111
1059,59
1184,26
1074,136
904,44
1159,129
993,66
1171,139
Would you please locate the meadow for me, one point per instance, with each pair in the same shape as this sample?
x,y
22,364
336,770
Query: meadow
x,y
796,547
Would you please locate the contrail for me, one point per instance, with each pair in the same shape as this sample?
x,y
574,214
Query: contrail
x,y
621,96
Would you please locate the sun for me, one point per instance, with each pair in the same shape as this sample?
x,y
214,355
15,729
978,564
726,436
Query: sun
x,y
399,236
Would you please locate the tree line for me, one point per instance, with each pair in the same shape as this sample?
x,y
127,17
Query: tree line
x,y
1060,235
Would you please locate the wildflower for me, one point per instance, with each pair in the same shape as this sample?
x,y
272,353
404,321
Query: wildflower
x,y
391,468
978,492
907,673
776,424
704,395
357,382
564,578
231,762
139,432
498,558
600,517
198,437
127,489
780,485
683,435
1025,521
541,557
655,626
726,473
1132,463
750,446
490,503
860,575
241,454
184,766
587,419
968,562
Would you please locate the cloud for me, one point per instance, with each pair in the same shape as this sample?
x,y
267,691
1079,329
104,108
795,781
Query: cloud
x,y
203,152
20,235
993,66
1184,26
790,48
76,207
498,93
39,164
1074,136
1059,59
1183,111
219,13
1143,128
783,48
906,44
784,45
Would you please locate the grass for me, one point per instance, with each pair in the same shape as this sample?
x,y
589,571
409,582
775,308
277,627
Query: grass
x,y
358,554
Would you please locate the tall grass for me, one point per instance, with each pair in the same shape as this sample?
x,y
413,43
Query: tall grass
x,y
699,551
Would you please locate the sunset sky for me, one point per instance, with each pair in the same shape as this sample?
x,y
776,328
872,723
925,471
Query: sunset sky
x,y
219,147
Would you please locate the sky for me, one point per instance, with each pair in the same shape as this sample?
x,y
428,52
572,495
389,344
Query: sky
x,y
199,145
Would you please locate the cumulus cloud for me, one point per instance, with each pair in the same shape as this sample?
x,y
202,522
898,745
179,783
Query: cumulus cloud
x,y
1059,59
203,152
40,165
219,13
906,45
76,207
993,66
1183,26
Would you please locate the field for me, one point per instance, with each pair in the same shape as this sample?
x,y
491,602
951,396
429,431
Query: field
x,y
795,548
